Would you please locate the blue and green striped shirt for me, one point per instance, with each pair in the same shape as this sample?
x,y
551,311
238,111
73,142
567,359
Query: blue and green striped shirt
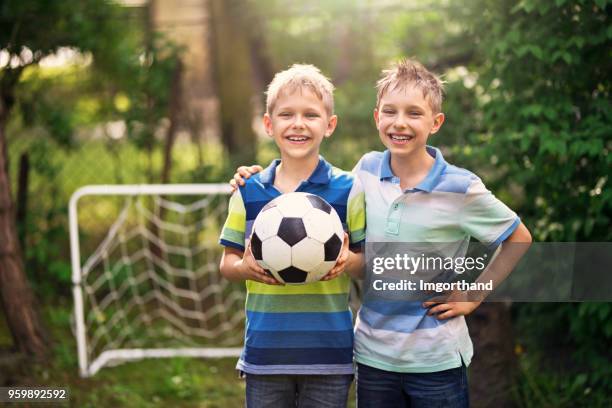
x,y
305,329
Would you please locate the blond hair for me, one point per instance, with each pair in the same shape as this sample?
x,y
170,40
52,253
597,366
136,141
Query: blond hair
x,y
406,73
298,77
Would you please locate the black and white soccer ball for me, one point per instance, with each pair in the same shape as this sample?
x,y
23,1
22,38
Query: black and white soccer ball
x,y
297,237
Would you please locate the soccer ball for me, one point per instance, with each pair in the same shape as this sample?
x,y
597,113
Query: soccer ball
x,y
297,237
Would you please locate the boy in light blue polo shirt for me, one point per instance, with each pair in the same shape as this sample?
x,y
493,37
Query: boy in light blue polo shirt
x,y
411,354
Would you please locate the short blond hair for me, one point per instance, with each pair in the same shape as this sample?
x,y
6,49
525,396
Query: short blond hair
x,y
297,77
406,73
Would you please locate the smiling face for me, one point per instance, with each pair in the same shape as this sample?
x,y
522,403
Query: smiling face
x,y
404,119
298,123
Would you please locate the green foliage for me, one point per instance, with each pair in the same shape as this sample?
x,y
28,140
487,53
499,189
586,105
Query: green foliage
x,y
547,119
129,78
147,91
39,108
351,44
117,77
43,26
56,173
540,388
46,224
547,81
356,132
568,343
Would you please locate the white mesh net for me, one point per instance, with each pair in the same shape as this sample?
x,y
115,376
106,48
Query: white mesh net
x,y
152,287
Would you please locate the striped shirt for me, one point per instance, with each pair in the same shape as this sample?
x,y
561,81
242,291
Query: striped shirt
x,y
301,329
449,206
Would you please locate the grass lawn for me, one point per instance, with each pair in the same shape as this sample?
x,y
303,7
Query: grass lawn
x,y
176,382
150,383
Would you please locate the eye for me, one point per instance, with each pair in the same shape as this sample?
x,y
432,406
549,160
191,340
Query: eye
x,y
415,113
388,111
312,115
284,114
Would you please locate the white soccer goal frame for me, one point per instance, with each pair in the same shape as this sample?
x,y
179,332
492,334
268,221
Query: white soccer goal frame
x,y
89,368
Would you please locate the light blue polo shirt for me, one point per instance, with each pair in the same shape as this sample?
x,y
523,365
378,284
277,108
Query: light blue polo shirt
x,y
449,206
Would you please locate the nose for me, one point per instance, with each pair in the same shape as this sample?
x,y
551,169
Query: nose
x,y
298,122
400,121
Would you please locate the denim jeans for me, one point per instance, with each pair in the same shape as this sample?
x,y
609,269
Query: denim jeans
x,y
386,389
302,391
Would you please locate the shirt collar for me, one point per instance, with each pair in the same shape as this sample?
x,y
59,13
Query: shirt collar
x,y
385,168
432,178
321,174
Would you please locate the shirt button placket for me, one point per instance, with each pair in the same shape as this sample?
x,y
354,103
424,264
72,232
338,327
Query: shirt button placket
x,y
393,219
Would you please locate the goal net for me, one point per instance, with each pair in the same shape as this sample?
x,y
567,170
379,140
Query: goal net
x,y
145,274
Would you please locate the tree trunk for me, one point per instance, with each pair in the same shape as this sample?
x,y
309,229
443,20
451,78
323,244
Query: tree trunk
x,y
234,78
493,368
196,125
16,295
22,199
174,116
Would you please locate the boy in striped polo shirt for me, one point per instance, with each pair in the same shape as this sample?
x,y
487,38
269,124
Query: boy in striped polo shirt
x,y
299,339
410,354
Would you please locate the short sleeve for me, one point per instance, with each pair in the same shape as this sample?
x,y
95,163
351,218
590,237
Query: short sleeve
x,y
232,234
486,218
359,165
356,217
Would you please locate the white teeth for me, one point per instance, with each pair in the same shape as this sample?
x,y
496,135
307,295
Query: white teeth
x,y
297,139
400,137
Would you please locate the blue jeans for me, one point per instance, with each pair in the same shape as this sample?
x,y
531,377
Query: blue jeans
x,y
302,391
386,389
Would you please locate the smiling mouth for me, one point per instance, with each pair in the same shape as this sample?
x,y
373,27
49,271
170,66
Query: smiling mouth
x,y
400,138
297,139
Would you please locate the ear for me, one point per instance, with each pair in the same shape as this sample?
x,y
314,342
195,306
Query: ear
x,y
267,122
438,121
376,117
331,125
